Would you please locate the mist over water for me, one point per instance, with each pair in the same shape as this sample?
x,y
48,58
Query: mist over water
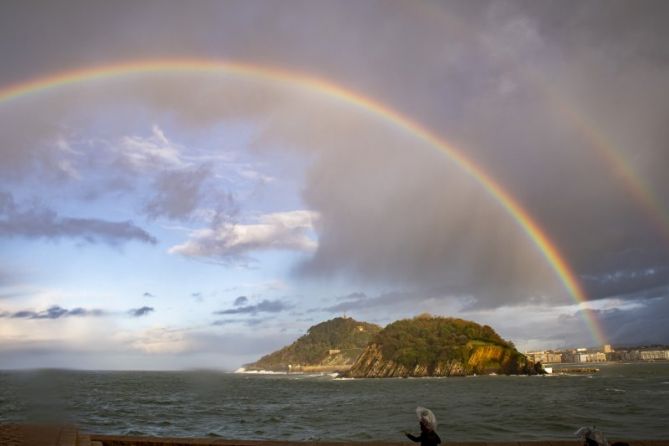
x,y
624,400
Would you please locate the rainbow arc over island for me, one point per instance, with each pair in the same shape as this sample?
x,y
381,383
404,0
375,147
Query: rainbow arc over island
x,y
352,98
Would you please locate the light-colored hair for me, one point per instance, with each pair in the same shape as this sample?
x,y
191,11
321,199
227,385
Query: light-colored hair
x,y
426,417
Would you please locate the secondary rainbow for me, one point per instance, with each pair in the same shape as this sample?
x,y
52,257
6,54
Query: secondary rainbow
x,y
642,193
639,189
350,97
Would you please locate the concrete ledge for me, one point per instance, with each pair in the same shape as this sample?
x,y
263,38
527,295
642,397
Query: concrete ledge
x,y
68,435
39,435
119,440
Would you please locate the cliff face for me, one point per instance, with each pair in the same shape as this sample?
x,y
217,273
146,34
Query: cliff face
x,y
333,345
438,347
372,364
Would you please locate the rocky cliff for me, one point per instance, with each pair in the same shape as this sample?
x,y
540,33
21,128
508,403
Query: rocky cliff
x,y
435,346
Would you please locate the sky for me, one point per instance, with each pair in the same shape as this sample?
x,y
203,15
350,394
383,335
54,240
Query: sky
x,y
503,162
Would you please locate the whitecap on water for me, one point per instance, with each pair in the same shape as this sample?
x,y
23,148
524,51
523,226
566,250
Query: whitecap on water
x,y
611,389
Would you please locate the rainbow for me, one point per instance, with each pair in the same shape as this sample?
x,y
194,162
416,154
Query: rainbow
x,y
640,191
611,154
351,98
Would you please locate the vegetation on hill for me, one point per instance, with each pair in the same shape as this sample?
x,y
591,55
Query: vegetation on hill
x,y
319,346
437,346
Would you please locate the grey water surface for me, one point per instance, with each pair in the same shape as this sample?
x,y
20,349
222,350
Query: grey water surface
x,y
624,400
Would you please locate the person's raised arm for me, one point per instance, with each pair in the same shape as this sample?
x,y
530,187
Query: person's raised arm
x,y
412,437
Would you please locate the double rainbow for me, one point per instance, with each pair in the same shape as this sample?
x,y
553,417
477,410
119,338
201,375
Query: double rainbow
x,y
351,98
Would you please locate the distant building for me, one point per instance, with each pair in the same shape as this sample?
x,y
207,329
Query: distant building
x,y
334,352
583,355
630,355
544,357
569,356
591,357
554,358
654,355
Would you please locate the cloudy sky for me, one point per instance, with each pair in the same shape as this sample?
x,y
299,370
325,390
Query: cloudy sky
x,y
181,218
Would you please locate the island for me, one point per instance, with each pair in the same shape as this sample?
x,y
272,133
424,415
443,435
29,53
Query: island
x,y
424,346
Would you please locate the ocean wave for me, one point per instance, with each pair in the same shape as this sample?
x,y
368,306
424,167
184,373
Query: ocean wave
x,y
242,370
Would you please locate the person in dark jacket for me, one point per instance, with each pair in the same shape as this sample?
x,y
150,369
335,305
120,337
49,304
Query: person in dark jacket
x,y
428,424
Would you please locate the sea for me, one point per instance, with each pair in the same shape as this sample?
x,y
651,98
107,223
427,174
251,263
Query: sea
x,y
625,401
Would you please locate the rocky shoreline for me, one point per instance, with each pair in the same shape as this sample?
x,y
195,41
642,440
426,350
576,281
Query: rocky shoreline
x,y
577,371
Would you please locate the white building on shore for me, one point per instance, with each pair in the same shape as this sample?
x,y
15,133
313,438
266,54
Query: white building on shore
x,y
654,355
591,357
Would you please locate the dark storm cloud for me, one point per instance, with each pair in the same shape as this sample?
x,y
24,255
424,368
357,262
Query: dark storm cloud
x,y
517,85
265,306
630,283
139,312
147,294
404,302
617,110
40,222
645,323
425,235
54,312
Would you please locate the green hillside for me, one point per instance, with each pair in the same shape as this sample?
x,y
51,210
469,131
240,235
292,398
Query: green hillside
x,y
332,344
437,346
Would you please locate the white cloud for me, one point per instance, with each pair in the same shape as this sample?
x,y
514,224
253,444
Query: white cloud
x,y
281,230
65,162
148,152
254,175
